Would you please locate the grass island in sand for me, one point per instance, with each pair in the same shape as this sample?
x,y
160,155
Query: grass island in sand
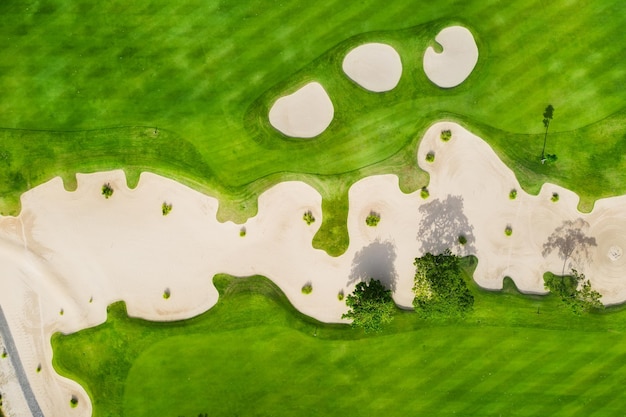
x,y
240,119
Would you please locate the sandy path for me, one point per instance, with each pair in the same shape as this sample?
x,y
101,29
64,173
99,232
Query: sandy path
x,y
78,252
374,66
457,61
305,113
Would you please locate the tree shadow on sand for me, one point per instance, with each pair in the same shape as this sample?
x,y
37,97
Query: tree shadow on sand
x,y
570,241
376,261
444,225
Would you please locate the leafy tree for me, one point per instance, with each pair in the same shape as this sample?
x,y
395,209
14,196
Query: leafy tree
x,y
439,288
166,208
547,117
575,291
371,306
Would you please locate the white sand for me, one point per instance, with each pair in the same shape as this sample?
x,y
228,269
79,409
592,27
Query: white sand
x,y
374,66
457,61
66,247
304,114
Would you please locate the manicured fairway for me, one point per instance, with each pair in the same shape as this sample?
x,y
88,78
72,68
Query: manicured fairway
x,y
254,355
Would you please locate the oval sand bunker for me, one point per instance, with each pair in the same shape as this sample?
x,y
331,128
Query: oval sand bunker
x,y
303,114
374,66
457,61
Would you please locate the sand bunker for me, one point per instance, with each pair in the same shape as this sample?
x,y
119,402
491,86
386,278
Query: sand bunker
x,y
303,114
374,66
69,254
457,61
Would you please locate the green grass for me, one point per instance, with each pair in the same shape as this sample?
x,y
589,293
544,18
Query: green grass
x,y
253,354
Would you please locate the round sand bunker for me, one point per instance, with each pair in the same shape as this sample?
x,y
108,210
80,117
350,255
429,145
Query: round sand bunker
x,y
374,66
457,61
303,114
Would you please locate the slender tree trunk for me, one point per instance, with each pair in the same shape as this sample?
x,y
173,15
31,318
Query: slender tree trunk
x,y
545,138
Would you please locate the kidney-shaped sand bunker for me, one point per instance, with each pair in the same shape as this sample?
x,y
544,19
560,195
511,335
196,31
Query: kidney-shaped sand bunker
x,y
457,61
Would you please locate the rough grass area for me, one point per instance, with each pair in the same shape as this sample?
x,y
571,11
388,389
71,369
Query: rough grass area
x,y
253,347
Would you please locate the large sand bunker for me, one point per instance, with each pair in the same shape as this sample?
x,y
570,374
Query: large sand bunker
x,y
69,254
303,114
374,66
457,61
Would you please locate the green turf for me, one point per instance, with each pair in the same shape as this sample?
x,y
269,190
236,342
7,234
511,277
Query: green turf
x,y
253,354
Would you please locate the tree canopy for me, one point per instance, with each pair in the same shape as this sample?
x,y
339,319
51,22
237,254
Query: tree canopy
x,y
371,306
439,288
575,291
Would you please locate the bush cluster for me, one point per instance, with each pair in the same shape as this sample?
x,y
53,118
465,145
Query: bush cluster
x,y
575,291
373,219
308,217
446,135
107,191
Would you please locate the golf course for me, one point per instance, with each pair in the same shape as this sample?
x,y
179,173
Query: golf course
x,y
191,191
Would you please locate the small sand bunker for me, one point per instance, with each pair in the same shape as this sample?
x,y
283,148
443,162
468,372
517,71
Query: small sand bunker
x,y
374,66
457,61
303,114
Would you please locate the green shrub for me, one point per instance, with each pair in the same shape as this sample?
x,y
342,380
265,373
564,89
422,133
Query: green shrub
x,y
424,193
38,368
508,230
430,156
308,217
4,353
107,191
373,219
242,232
513,194
551,157
462,239
446,135
90,300
167,293
61,312
340,295
307,288
555,197
73,401
166,208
